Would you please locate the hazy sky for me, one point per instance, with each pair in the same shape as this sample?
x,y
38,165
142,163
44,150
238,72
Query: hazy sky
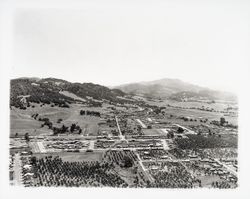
x,y
202,42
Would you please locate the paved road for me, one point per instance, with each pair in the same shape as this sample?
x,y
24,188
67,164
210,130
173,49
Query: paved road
x,y
91,144
227,167
151,179
170,160
118,126
41,147
17,167
141,123
137,148
106,149
189,131
164,144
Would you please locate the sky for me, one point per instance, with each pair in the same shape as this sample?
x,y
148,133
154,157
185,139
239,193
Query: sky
x,y
201,42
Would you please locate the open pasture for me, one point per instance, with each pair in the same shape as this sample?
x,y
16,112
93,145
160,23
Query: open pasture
x,y
75,156
218,106
153,132
83,156
22,122
197,114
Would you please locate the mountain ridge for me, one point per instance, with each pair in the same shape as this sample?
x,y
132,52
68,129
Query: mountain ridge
x,y
175,89
48,90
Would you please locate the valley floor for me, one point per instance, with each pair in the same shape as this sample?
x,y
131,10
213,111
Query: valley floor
x,y
122,146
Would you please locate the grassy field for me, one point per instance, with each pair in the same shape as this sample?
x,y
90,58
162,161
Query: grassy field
x,y
86,156
153,132
216,106
198,114
127,174
186,112
76,157
207,180
22,122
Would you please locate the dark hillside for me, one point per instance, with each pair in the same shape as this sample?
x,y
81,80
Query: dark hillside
x,y
26,90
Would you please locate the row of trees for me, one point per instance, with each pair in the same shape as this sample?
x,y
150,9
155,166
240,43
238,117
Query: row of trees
x,y
91,113
224,123
64,129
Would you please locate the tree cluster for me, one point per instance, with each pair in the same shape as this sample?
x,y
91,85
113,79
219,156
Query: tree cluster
x,y
90,113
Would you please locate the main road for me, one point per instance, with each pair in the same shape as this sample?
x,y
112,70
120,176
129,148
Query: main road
x,y
119,129
151,179
227,167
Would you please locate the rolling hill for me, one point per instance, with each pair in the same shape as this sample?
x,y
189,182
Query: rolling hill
x,y
50,90
176,90
62,93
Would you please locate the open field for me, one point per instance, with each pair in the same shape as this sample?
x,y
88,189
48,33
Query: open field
x,y
216,106
207,180
153,132
198,114
76,157
71,95
118,147
22,122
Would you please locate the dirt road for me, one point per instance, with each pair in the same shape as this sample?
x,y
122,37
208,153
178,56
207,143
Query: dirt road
x,y
17,167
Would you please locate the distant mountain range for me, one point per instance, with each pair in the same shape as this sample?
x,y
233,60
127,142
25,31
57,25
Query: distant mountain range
x,y
62,93
174,89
